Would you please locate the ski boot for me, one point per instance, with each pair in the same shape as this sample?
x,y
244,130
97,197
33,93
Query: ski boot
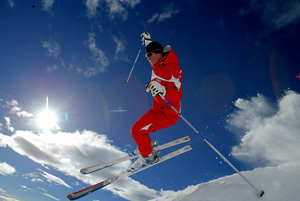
x,y
144,161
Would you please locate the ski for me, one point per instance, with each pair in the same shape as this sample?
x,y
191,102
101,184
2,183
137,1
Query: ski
x,y
130,156
83,192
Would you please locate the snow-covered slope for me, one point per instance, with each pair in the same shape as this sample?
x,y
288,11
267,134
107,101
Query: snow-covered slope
x,y
270,136
280,183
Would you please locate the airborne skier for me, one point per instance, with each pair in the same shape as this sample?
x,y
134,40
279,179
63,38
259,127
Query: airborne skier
x,y
165,86
165,81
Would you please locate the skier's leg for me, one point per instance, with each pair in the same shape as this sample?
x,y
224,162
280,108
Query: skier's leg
x,y
150,122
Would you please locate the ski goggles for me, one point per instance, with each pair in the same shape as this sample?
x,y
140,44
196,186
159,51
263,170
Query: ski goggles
x,y
149,54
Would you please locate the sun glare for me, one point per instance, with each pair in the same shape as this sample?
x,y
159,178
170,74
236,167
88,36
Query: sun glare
x,y
46,120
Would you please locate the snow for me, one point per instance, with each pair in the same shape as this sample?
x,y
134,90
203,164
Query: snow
x,y
270,141
280,183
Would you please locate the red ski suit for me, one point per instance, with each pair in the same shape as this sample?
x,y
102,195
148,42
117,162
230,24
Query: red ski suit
x,y
161,115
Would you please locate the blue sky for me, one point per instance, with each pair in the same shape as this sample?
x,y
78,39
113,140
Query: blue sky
x,y
238,59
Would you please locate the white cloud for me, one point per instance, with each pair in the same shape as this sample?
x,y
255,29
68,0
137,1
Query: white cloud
x,y
11,3
276,13
3,141
168,12
25,188
8,124
69,152
16,109
120,47
47,6
244,119
50,69
5,198
99,61
50,196
53,48
33,177
51,178
42,189
115,8
6,169
92,6
271,134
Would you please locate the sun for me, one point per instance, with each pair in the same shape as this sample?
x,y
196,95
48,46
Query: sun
x,y
46,120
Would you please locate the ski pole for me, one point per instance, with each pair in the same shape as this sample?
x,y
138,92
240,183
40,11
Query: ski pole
x,y
259,193
137,56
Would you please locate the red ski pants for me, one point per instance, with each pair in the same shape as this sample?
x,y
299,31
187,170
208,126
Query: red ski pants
x,y
150,122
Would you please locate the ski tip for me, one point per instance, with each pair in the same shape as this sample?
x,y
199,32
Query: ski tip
x,y
261,193
187,148
83,171
70,196
187,138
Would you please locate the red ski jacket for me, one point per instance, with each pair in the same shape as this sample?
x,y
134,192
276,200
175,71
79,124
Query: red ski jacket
x,y
168,74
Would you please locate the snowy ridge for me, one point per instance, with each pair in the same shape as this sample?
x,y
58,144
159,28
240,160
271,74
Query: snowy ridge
x,y
280,183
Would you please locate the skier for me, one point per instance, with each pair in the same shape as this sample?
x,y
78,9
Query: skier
x,y
165,81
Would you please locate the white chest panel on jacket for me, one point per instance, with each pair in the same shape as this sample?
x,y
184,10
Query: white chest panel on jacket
x,y
176,81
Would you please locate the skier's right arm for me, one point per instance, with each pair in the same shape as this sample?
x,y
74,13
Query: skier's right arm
x,y
146,38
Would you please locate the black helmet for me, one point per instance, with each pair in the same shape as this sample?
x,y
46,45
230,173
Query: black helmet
x,y
155,47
